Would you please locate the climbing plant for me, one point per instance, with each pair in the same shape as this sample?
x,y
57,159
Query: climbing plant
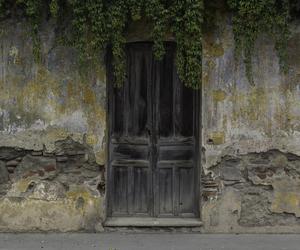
x,y
33,10
101,22
97,23
252,18
187,18
94,24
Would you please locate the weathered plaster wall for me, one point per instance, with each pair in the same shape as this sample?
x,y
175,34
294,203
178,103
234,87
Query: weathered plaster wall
x,y
251,136
52,137
52,129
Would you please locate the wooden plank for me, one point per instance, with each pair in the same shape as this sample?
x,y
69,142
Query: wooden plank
x,y
166,189
140,192
166,99
120,190
128,151
186,190
173,153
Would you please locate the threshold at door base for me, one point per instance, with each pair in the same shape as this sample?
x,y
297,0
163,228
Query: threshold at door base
x,y
151,222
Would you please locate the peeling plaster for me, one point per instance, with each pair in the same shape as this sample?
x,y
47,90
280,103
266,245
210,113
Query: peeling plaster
x,y
252,118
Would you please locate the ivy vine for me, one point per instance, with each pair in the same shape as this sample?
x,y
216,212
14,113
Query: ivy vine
x,y
33,10
102,22
252,18
98,23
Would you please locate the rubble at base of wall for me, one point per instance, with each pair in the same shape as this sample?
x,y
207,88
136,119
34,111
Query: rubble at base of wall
x,y
257,192
58,191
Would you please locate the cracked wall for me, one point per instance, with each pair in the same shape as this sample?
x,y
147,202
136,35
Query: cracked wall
x,y
256,192
250,136
52,130
58,191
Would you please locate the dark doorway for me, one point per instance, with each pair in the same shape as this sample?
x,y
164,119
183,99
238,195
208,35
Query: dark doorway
x,y
153,139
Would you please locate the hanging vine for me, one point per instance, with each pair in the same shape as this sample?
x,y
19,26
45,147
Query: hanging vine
x,y
33,10
252,18
188,18
97,23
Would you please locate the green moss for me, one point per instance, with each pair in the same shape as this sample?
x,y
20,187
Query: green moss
x,y
218,95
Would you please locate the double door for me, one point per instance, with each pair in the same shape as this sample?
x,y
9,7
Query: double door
x,y
153,139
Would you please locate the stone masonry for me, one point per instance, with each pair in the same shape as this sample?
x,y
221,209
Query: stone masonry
x,y
40,188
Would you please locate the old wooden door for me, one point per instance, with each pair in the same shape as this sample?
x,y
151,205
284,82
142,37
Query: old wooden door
x,y
153,139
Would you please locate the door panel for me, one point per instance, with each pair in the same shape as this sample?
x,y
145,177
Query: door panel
x,y
186,186
117,112
153,121
140,190
120,189
183,113
166,191
126,151
172,153
165,114
139,63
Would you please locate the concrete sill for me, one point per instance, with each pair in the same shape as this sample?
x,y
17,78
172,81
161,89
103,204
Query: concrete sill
x,y
152,222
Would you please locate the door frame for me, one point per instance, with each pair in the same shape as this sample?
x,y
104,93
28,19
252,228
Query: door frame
x,y
198,137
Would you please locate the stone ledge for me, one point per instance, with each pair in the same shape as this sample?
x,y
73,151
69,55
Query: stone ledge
x,y
152,222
